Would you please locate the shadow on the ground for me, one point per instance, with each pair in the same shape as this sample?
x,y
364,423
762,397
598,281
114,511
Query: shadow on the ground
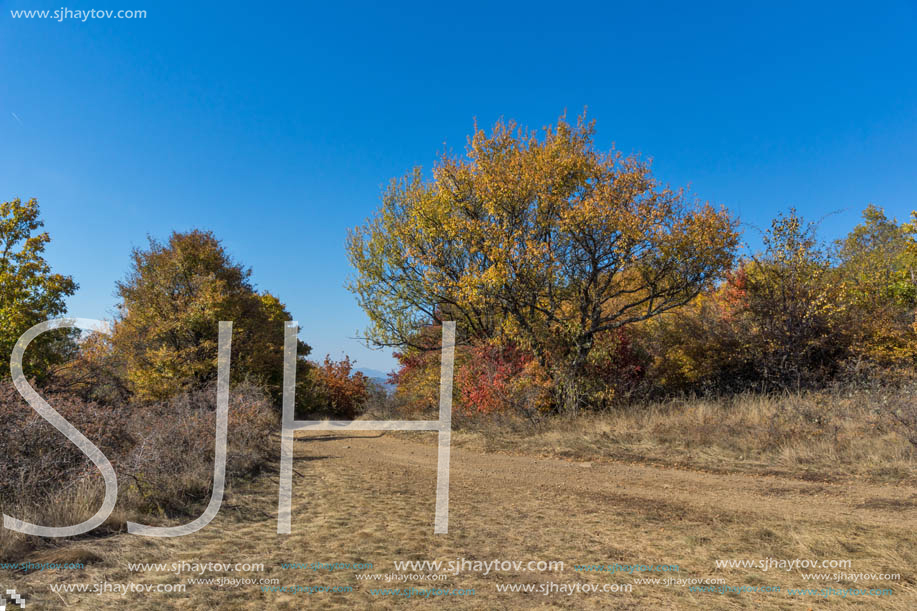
x,y
340,437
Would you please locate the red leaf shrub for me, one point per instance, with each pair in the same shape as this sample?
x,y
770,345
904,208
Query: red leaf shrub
x,y
338,390
497,378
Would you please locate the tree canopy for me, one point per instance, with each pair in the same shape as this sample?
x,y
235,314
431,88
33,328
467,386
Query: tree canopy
x,y
30,292
879,259
171,303
544,240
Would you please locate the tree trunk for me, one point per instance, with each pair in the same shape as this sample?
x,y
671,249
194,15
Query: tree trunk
x,y
571,391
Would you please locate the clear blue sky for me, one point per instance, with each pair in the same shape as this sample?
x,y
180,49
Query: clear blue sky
x,y
277,128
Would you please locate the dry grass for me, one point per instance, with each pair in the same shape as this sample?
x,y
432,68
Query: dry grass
x,y
365,497
810,435
684,483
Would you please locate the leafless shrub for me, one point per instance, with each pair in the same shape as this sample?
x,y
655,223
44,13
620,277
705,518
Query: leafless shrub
x,y
900,408
162,453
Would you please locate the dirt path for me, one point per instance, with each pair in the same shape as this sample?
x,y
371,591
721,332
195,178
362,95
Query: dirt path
x,y
361,498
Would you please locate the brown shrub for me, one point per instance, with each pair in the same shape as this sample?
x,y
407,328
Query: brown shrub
x,y
38,460
161,452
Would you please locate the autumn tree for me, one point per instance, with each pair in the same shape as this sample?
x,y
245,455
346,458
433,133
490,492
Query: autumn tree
x,y
879,259
878,264
172,301
794,301
30,292
338,390
546,241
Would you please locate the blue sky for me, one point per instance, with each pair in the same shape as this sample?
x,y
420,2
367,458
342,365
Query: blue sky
x,y
277,128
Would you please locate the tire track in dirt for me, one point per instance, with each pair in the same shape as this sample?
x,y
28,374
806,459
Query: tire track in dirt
x,y
867,503
366,497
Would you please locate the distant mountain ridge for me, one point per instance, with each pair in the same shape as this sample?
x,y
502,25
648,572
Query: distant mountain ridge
x,y
379,377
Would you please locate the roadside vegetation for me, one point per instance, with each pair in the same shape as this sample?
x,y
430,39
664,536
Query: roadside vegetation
x,y
146,394
601,316
601,313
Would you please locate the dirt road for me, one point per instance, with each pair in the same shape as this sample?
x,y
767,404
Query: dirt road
x,y
366,498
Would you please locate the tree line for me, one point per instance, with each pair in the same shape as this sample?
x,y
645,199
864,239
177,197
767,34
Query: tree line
x,y
164,333
578,280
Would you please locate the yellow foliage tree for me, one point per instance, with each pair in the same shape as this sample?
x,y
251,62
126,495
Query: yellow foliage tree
x,y
878,262
545,240
29,292
173,299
